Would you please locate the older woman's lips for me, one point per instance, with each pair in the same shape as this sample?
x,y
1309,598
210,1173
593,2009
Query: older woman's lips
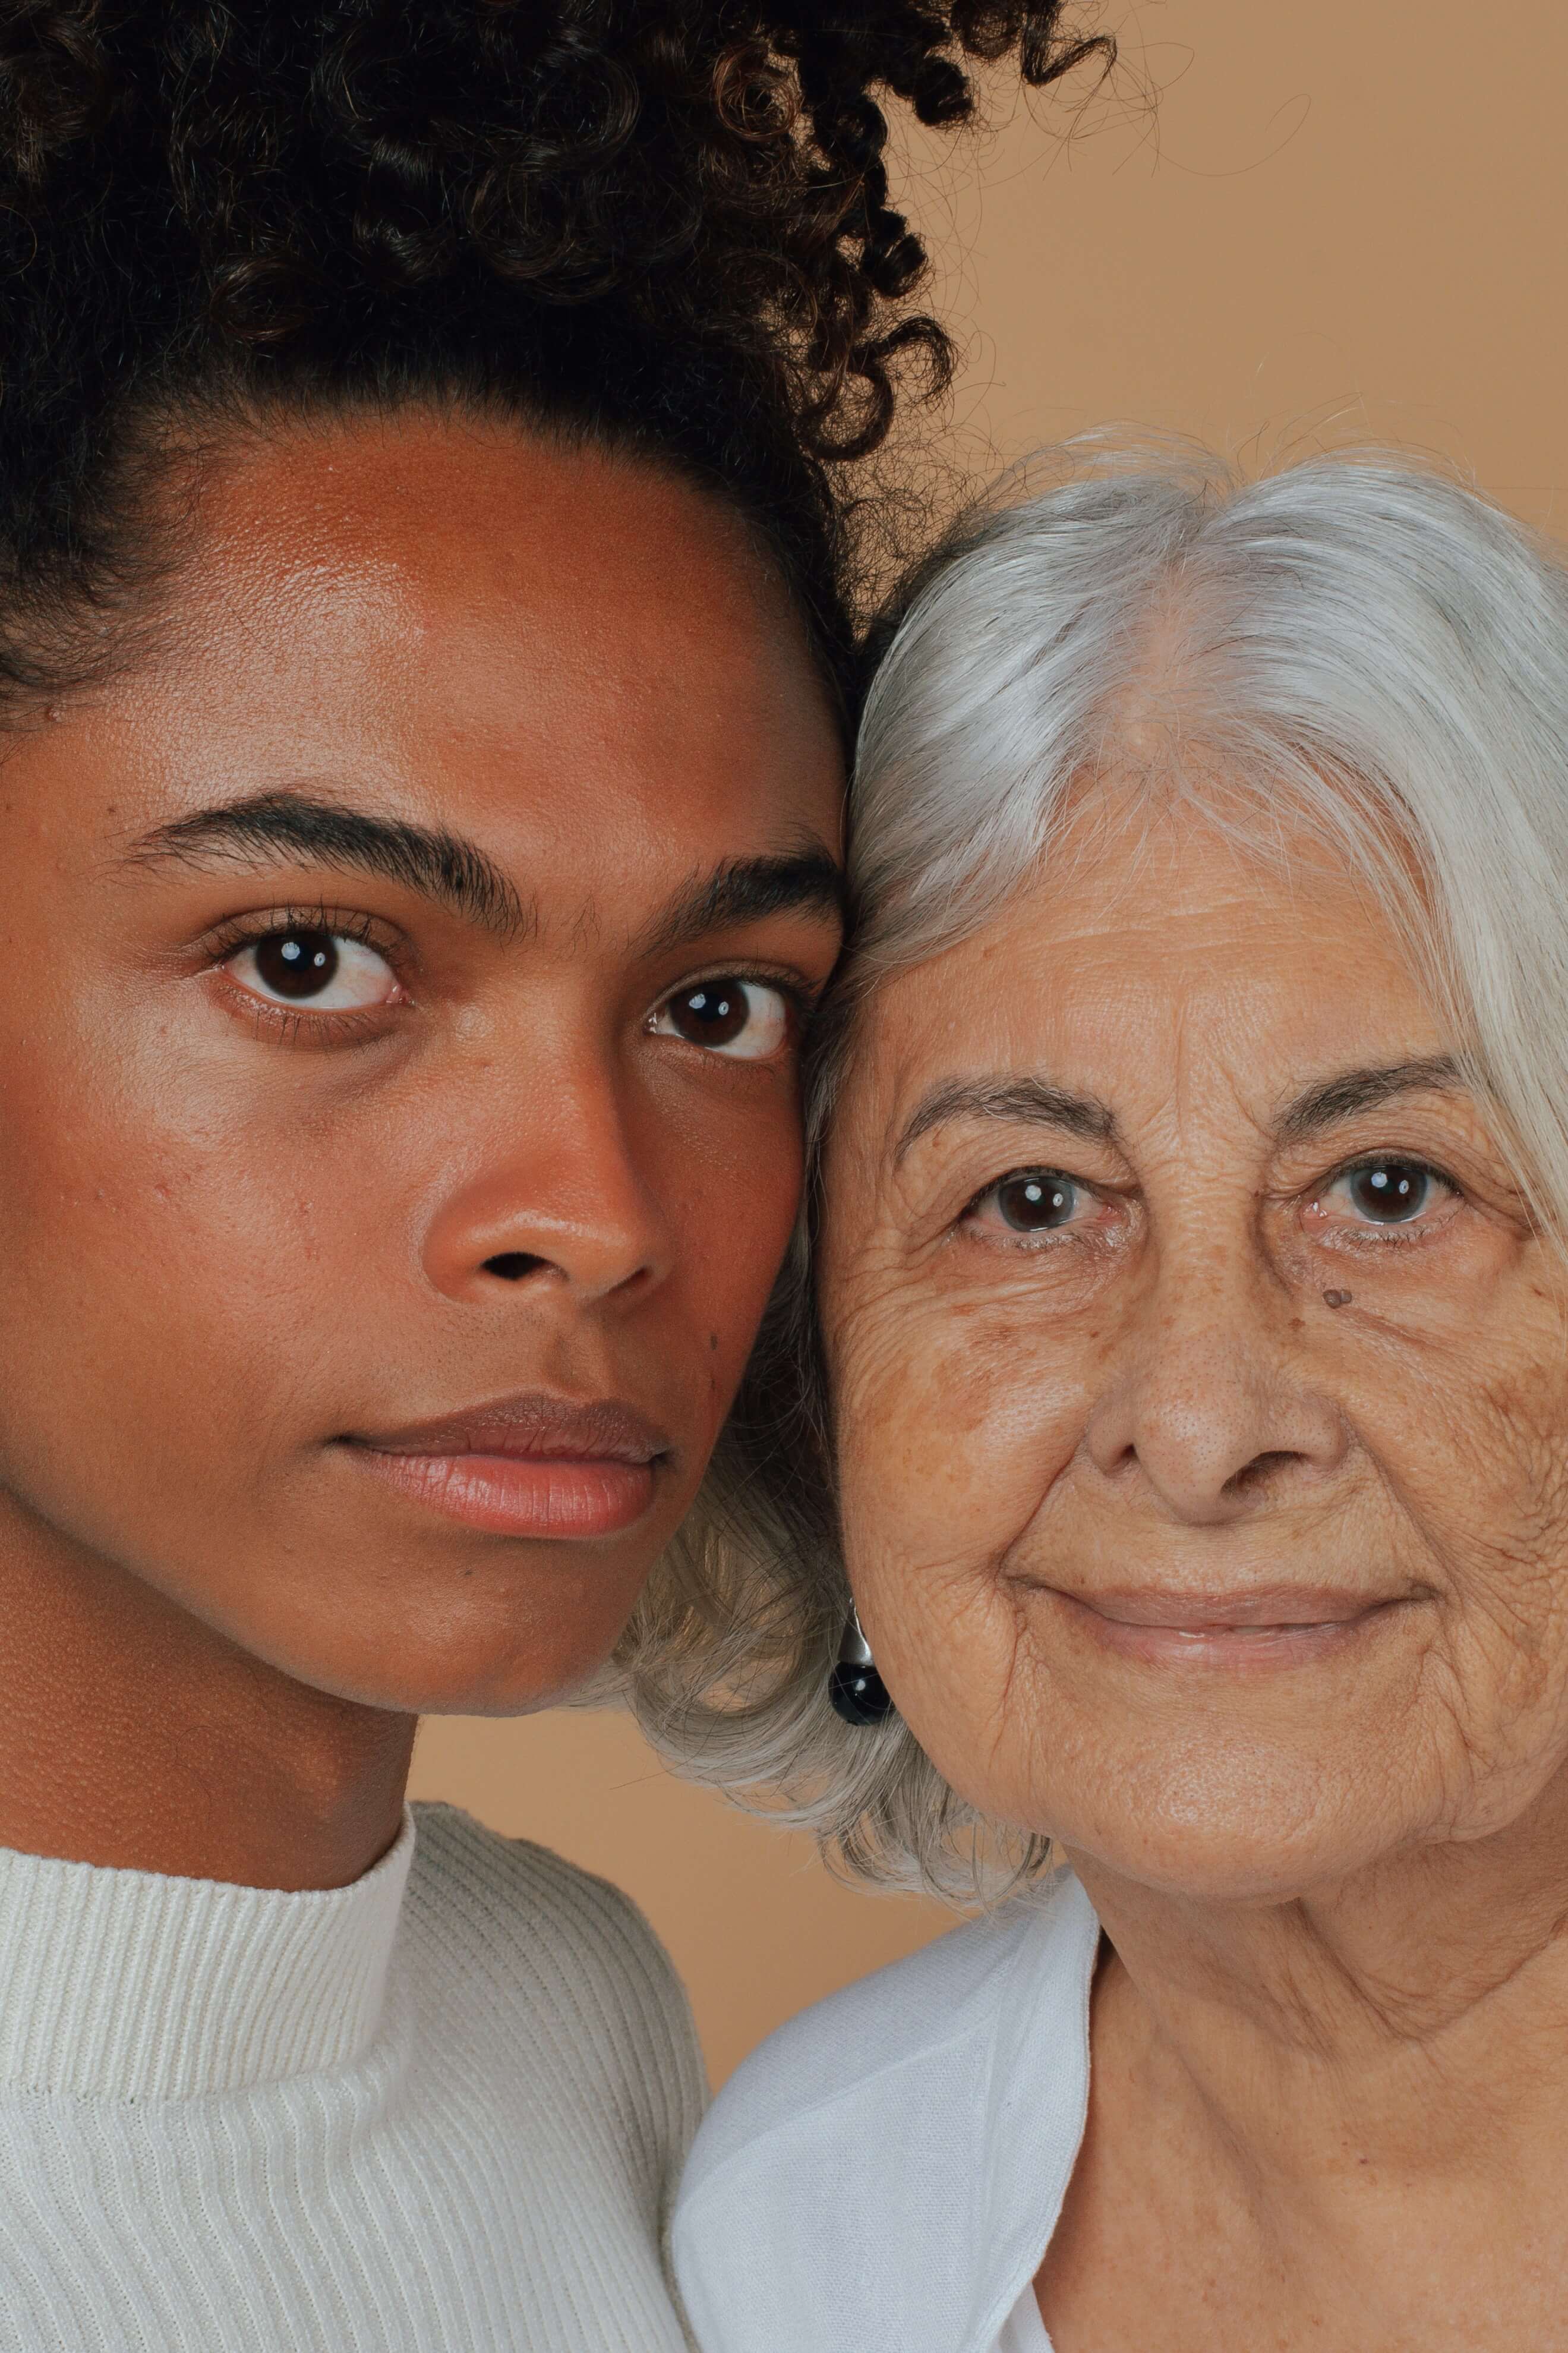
x,y
525,1466
1268,1628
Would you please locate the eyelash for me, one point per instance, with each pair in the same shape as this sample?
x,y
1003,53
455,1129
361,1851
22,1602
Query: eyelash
x,y
1390,1236
1046,1239
800,997
1386,1238
291,1026
297,1026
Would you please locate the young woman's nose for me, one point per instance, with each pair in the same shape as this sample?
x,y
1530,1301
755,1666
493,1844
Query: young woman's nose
x,y
1210,1406
559,1199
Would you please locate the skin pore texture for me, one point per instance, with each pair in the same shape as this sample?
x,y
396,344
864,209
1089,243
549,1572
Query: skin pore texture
x,y
1201,1392
366,1334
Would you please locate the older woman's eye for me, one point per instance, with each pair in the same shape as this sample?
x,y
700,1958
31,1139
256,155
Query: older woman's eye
x,y
1388,1191
329,972
1029,1201
746,1019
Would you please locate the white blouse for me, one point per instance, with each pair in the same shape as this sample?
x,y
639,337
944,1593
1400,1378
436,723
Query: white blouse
x,y
1025,2331
886,2172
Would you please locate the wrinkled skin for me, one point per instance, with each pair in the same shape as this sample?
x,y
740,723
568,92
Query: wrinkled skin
x,y
233,1237
1333,1860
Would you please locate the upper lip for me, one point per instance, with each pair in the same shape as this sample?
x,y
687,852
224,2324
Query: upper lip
x,y
532,1424
1268,1605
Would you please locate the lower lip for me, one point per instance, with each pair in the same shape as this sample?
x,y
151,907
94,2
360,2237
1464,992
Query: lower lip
x,y
1232,1650
522,1494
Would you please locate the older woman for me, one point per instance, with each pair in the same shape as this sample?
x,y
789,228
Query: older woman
x,y
1193,1328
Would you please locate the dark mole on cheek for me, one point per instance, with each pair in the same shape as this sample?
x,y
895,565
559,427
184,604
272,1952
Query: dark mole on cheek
x,y
1336,1299
713,1339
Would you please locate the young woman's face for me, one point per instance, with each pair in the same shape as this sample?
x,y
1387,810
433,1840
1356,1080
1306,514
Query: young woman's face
x,y
397,1078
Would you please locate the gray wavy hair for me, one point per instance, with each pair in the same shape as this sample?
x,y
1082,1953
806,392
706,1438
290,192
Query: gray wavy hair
x,y
1355,640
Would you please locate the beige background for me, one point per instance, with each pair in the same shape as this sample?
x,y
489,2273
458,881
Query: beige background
x,y
1279,223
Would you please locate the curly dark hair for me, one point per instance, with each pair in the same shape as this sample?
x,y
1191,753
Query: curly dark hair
x,y
663,225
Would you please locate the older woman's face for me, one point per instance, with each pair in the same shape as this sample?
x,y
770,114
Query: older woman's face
x,y
1201,1386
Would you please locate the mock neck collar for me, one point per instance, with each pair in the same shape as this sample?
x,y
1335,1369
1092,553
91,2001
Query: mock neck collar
x,y
127,1985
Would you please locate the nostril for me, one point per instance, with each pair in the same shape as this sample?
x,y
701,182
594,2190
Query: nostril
x,y
511,1265
1256,1472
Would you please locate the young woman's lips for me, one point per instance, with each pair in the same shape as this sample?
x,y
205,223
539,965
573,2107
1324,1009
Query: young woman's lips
x,y
526,1466
1274,1627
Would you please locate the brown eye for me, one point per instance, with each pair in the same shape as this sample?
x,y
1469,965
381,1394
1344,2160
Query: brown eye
x,y
1034,1200
1387,1192
745,1020
1030,1202
297,964
327,970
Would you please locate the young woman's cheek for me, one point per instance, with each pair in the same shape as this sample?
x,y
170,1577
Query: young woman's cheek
x,y
734,1197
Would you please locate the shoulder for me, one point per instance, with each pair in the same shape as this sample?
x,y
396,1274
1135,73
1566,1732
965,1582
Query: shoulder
x,y
563,1955
851,2150
902,2023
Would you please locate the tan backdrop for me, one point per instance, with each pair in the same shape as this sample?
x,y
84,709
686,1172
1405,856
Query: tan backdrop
x,y
1279,223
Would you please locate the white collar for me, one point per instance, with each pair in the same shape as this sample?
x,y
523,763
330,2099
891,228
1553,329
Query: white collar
x,y
129,1985
884,2175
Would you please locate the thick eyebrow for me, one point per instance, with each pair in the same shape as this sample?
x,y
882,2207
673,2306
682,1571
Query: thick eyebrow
x,y
747,890
1348,1092
438,864
1029,1101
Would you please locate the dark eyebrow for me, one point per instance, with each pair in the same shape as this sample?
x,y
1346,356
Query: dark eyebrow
x,y
1031,1100
439,865
745,890
1349,1092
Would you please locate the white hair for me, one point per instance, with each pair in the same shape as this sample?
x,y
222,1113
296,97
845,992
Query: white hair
x,y
1355,642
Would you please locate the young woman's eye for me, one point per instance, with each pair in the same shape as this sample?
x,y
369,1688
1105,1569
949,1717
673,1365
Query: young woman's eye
x,y
326,972
746,1019
1029,1201
1387,1191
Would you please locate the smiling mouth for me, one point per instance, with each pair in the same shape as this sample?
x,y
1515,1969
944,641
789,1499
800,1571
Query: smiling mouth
x,y
1268,1628
527,1465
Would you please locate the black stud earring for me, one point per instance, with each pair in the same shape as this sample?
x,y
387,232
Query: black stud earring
x,y
858,1692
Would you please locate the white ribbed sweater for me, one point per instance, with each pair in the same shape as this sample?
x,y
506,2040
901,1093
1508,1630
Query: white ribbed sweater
x,y
440,2111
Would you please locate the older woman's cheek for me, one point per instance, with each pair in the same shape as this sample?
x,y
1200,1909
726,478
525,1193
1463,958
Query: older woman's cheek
x,y
1488,1488
956,1425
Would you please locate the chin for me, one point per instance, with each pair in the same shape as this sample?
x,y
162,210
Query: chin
x,y
479,1661
1220,1855
1244,1823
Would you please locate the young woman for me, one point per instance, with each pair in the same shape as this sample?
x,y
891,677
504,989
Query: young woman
x,y
425,642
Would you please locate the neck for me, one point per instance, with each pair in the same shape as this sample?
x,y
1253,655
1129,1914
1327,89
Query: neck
x,y
136,1737
1413,2015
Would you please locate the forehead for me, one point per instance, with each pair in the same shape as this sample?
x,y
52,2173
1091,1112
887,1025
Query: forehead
x,y
484,622
1146,959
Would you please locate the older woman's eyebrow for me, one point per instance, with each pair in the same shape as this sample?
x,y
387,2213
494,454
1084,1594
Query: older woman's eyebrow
x,y
1349,1092
438,864
1031,1101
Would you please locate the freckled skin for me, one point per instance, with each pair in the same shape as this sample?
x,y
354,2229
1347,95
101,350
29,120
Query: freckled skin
x,y
221,1249
1333,1889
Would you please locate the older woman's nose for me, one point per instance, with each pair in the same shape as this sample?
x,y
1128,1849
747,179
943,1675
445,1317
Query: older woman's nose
x,y
1210,1408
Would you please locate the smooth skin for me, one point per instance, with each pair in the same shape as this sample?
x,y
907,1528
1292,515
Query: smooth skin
x,y
528,748
1202,1394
